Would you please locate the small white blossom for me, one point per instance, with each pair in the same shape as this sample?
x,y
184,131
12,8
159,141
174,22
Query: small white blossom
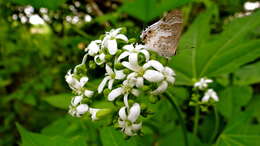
x,y
76,100
93,48
202,83
78,85
111,76
110,42
140,73
100,58
210,93
128,121
79,110
164,75
125,89
93,112
133,52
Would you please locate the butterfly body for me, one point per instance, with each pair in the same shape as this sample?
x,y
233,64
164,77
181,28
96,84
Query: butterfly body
x,y
163,36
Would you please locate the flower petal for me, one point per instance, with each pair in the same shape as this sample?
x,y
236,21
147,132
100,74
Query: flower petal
x,y
134,112
122,113
103,84
81,109
110,83
139,82
99,59
83,81
155,64
76,100
146,54
119,74
109,70
163,86
122,37
136,127
133,59
153,76
132,67
169,71
170,79
123,55
126,100
135,92
88,93
112,46
93,48
128,131
93,112
129,47
115,93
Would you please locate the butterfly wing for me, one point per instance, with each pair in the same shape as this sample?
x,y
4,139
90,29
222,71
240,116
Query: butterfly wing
x,y
163,36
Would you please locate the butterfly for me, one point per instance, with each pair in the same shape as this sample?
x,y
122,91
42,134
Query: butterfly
x,y
163,36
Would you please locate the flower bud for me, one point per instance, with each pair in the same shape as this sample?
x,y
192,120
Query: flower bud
x,y
118,66
126,71
103,113
106,92
92,64
132,40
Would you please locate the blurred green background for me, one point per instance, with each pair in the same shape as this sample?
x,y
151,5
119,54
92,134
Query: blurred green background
x,y
41,39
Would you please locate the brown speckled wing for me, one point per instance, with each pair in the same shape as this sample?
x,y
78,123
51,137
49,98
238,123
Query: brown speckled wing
x,y
163,36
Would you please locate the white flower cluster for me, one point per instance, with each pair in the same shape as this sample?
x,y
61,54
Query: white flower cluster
x,y
202,85
129,69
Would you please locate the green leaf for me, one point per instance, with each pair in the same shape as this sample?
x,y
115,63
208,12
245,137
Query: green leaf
x,y
215,55
184,63
231,99
147,10
35,139
247,75
112,137
237,132
230,49
60,100
50,4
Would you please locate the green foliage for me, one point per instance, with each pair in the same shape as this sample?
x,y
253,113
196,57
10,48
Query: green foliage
x,y
237,132
41,3
232,99
248,74
215,43
150,9
34,139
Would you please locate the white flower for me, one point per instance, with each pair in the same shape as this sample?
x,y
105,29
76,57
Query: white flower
x,y
94,47
78,86
78,110
210,93
133,52
100,58
203,83
76,100
93,112
111,76
128,121
164,75
110,38
140,73
125,90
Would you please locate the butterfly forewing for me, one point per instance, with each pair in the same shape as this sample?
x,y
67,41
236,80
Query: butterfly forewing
x,y
163,36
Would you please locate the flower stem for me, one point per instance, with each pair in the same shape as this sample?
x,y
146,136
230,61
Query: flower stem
x,y
196,120
216,125
178,111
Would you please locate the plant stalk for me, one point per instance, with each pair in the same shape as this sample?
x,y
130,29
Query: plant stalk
x,y
216,125
196,120
178,111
